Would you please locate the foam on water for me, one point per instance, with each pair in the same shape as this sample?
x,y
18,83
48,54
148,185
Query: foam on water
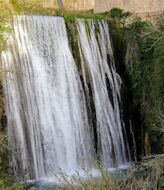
x,y
62,180
47,99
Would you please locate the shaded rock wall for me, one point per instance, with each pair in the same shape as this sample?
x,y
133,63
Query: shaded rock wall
x,y
3,119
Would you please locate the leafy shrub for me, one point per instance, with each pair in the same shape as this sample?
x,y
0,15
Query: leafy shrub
x,y
144,60
117,13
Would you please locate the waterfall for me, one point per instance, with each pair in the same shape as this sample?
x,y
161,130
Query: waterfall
x,y
95,51
47,105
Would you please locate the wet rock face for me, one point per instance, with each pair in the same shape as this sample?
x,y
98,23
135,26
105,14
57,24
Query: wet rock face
x,y
3,118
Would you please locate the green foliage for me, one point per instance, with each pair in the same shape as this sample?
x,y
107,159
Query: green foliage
x,y
148,175
31,7
157,92
3,154
144,56
138,58
72,36
72,16
117,13
145,62
7,184
5,15
15,4
6,180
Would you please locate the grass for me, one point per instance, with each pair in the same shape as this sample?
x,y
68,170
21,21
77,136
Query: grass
x,y
148,175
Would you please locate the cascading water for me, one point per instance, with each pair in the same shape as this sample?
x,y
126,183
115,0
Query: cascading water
x,y
95,53
46,98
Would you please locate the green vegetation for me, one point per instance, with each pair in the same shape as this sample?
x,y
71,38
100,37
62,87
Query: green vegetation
x,y
32,7
5,15
147,175
116,13
84,15
145,63
6,180
142,45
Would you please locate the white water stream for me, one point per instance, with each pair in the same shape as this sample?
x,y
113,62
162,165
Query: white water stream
x,y
48,124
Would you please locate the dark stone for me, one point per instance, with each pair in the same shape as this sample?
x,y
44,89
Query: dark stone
x,y
4,120
130,112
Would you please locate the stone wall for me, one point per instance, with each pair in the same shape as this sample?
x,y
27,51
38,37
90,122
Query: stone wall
x,y
135,6
78,4
74,5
